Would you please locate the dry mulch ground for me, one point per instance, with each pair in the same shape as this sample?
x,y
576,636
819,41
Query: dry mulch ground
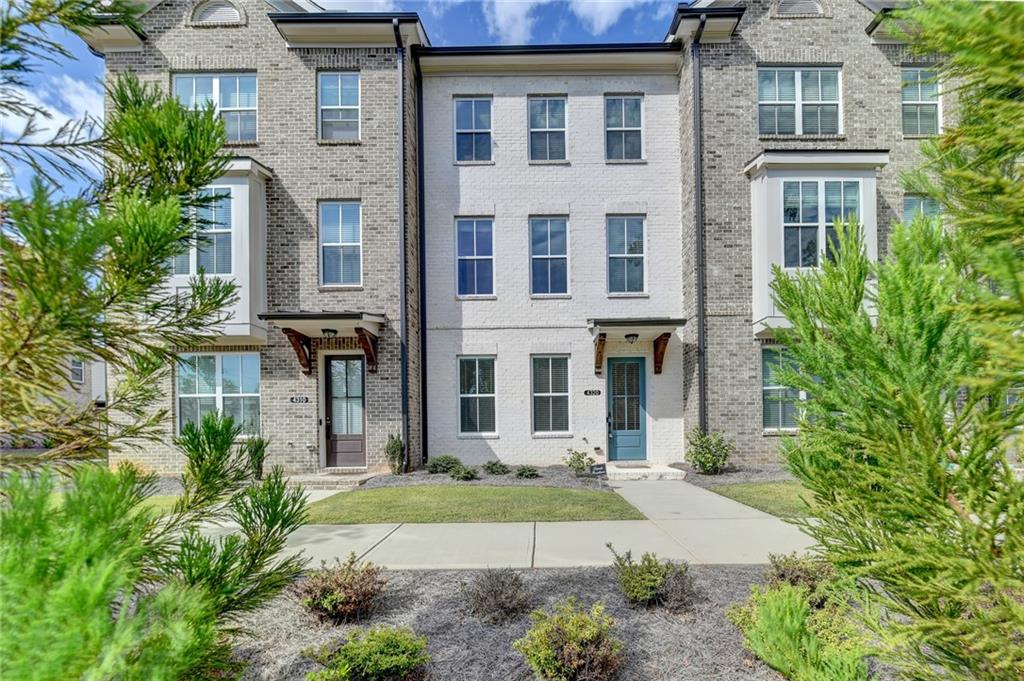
x,y
736,474
549,476
699,644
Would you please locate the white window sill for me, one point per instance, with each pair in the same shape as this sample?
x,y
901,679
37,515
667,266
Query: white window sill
x,y
908,136
551,436
788,136
341,287
339,143
779,432
639,294
474,163
478,436
550,296
625,161
488,297
242,143
550,162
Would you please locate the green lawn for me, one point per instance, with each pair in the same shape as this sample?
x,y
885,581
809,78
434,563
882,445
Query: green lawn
x,y
161,502
781,499
464,504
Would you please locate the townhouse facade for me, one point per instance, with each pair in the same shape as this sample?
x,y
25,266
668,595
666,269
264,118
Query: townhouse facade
x,y
508,252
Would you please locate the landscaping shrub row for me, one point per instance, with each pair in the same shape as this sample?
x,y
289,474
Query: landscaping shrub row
x,y
446,464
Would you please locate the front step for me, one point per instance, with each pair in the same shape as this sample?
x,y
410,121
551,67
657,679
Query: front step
x,y
643,471
329,481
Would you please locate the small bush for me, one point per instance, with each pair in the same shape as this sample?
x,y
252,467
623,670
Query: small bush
x,y
498,595
255,449
652,582
394,450
344,592
527,472
709,452
464,473
571,644
579,462
380,654
443,464
814,575
496,468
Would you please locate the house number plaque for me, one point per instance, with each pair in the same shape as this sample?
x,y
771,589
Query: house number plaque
x,y
592,393
299,399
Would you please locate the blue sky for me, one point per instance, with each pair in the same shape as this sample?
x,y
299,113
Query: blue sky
x,y
72,89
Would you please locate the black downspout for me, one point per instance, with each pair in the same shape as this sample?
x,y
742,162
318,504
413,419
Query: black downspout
x,y
698,180
402,321
421,211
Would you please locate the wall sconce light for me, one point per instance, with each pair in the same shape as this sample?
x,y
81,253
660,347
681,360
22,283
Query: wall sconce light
x,y
329,333
632,337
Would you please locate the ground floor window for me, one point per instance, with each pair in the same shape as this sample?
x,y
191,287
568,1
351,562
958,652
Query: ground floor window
x,y
779,401
551,394
476,395
224,382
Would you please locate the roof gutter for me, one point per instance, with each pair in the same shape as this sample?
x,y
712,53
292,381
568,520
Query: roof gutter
x,y
698,181
403,322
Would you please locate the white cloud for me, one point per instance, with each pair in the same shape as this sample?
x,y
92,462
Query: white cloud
x,y
511,21
358,5
597,16
66,98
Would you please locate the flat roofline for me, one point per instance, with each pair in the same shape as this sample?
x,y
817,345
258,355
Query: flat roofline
x,y
343,17
576,48
301,314
637,321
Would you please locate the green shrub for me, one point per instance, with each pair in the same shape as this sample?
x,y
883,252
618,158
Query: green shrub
x,y
571,644
498,595
813,574
709,452
527,472
443,464
379,654
579,462
345,591
464,473
652,582
255,449
496,468
394,450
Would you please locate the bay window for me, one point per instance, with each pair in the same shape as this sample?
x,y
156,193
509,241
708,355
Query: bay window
x,y
809,210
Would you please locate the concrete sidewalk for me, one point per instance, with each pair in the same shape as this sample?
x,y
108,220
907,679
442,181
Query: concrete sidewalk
x,y
684,523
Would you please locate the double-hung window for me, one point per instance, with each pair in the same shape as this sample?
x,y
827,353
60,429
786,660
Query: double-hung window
x,y
626,254
472,129
549,260
234,96
798,101
77,370
339,105
806,228
476,395
920,95
779,402
475,248
623,123
551,394
228,383
547,128
341,249
212,253
914,205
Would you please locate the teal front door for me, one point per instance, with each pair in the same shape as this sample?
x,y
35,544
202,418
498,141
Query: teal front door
x,y
627,413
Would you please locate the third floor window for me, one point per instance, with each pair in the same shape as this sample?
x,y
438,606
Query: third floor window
x,y
623,122
798,101
341,243
920,95
472,129
475,248
339,105
547,128
233,95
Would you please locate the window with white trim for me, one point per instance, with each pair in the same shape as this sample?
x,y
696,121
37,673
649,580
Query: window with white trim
x,y
212,251
228,383
623,123
476,395
626,254
547,128
76,369
807,230
234,97
472,129
475,255
915,204
779,402
798,101
549,259
550,381
920,102
341,246
338,94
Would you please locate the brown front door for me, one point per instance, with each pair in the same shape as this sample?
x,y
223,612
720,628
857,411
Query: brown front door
x,y
344,419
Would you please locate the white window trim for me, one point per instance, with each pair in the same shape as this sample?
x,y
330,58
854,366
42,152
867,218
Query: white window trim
x,y
798,101
568,250
458,390
530,129
801,396
341,242
643,119
215,94
567,394
937,103
321,107
193,250
921,199
456,130
76,367
823,225
218,395
607,264
494,268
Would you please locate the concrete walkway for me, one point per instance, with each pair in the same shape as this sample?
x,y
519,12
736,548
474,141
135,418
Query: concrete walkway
x,y
684,522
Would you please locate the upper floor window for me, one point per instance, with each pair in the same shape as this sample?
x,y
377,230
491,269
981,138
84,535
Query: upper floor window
x,y
476,395
623,122
76,369
798,101
779,402
473,129
920,96
216,12
807,229
550,379
914,205
475,249
212,253
341,247
234,96
339,106
547,128
228,383
626,254
549,259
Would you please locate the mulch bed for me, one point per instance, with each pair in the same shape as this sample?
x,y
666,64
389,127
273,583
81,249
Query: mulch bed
x,y
550,476
735,474
659,646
